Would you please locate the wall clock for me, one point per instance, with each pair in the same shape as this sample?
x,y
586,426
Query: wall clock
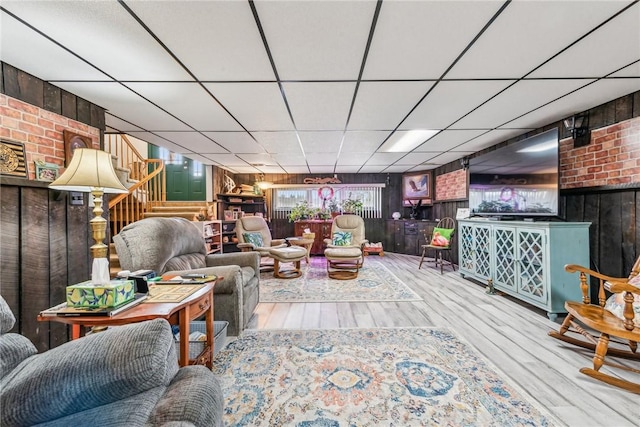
x,y
12,159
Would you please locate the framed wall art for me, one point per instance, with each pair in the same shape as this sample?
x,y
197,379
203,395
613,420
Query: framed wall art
x,y
46,171
416,186
72,141
12,159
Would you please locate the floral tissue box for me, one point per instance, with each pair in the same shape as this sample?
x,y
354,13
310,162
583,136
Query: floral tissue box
x,y
111,294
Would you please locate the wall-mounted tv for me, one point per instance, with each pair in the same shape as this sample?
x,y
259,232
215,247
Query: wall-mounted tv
x,y
520,179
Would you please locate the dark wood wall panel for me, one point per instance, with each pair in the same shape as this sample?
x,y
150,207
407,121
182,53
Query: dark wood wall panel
x,y
35,261
58,262
44,247
10,244
30,89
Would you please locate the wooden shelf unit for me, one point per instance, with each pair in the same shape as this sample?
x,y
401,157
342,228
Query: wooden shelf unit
x,y
243,204
212,233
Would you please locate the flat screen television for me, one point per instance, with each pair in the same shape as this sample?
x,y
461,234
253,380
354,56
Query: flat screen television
x,y
520,179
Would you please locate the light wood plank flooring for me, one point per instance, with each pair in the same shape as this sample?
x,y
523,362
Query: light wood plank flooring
x,y
512,334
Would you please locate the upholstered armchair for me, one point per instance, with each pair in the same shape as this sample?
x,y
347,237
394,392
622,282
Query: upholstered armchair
x,y
173,246
254,235
124,376
347,231
343,251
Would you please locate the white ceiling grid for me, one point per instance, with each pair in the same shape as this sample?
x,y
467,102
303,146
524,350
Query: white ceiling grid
x,y
270,86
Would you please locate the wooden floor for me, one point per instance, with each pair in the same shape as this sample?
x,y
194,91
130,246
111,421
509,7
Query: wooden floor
x,y
511,334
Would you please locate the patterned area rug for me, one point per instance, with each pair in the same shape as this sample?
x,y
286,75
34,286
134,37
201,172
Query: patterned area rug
x,y
365,377
374,283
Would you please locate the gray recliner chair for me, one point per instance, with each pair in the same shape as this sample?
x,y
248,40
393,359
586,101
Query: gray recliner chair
x,y
174,246
124,376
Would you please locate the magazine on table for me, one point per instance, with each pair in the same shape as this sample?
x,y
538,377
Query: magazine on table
x,y
65,311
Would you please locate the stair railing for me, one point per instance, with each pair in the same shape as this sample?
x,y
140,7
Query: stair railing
x,y
148,190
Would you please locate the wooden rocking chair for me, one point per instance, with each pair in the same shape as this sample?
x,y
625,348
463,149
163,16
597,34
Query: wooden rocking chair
x,y
607,324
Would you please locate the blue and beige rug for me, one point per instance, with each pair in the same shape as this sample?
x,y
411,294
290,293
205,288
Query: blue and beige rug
x,y
365,377
374,283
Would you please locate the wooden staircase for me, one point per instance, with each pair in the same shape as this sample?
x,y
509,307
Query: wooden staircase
x,y
186,210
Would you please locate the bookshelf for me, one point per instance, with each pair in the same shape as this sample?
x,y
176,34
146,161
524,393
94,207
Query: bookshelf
x,y
212,233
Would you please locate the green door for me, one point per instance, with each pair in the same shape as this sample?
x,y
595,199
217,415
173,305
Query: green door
x,y
185,180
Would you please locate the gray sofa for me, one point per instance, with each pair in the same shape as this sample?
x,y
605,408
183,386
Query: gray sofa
x,y
125,376
175,246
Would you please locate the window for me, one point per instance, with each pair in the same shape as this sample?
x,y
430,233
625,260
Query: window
x,y
286,197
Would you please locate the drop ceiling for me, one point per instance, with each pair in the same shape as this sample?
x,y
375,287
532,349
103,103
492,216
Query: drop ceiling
x,y
320,86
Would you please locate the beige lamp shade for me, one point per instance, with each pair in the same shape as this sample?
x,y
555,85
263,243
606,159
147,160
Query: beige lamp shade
x,y
89,169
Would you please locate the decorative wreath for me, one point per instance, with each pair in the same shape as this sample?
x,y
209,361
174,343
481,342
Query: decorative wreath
x,y
325,193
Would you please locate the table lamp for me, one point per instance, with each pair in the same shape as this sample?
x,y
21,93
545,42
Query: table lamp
x,y
91,171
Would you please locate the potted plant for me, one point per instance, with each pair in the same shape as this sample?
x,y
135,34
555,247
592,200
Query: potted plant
x,y
333,207
301,210
351,205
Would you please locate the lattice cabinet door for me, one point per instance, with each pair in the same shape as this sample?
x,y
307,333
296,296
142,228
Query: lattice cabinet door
x,y
505,257
482,251
465,250
532,277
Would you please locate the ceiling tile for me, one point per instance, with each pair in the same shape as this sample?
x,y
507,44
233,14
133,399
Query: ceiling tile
x,y
258,106
230,160
519,99
416,158
321,142
347,169
354,158
25,49
258,160
616,45
278,142
594,94
372,169
384,158
450,156
396,169
121,102
420,39
360,141
319,106
297,169
236,142
158,140
285,159
316,159
188,102
233,48
315,40
450,100
321,169
489,139
383,105
448,139
194,141
119,124
97,31
271,169
526,34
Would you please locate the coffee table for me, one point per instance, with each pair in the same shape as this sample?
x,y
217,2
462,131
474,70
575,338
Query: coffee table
x,y
176,313
301,241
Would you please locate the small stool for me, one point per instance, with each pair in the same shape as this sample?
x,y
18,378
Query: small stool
x,y
293,254
343,263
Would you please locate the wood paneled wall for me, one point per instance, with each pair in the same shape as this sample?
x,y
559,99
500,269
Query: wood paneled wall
x,y
45,246
44,241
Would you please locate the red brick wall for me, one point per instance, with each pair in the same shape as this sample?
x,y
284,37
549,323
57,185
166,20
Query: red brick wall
x,y
40,131
452,185
611,158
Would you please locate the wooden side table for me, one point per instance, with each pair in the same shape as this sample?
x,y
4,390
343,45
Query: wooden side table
x,y
176,313
301,241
